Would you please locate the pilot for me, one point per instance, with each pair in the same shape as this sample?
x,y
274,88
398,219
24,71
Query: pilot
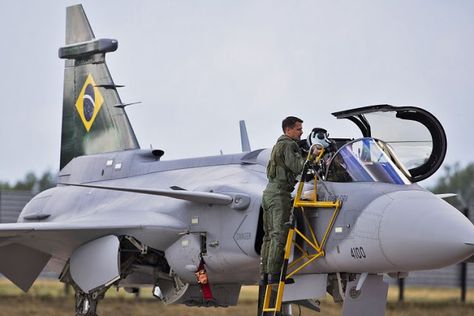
x,y
285,164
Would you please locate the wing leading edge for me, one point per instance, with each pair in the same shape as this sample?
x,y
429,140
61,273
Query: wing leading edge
x,y
192,196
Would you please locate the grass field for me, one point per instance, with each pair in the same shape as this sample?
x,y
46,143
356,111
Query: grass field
x,y
48,298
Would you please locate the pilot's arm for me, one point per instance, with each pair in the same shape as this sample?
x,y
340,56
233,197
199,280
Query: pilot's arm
x,y
293,158
303,144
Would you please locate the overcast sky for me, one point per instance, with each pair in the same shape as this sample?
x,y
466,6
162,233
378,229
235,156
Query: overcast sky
x,y
199,67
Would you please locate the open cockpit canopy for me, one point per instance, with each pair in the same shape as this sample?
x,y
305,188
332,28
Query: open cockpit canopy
x,y
413,138
366,160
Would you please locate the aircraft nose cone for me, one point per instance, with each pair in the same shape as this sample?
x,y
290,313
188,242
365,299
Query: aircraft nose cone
x,y
421,231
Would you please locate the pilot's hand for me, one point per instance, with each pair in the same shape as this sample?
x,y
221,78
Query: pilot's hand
x,y
314,152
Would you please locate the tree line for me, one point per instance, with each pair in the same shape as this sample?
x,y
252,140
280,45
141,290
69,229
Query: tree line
x,y
457,180
32,182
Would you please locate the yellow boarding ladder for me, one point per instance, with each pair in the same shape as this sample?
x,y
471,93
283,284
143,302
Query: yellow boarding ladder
x,y
290,269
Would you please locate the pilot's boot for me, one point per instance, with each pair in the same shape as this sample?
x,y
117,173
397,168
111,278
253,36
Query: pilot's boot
x,y
275,279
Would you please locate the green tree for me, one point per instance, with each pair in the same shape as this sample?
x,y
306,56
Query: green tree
x,y
4,186
47,180
32,182
457,180
27,183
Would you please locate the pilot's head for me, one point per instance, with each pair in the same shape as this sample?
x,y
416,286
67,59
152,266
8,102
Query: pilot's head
x,y
318,136
292,127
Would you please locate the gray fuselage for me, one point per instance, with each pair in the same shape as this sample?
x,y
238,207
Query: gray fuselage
x,y
381,227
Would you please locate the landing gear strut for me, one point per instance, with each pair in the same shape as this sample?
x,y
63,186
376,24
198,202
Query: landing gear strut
x,y
86,304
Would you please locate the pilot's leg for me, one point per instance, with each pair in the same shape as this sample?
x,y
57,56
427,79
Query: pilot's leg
x,y
266,236
264,252
279,232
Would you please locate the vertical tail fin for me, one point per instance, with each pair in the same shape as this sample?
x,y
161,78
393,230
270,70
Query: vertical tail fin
x,y
94,119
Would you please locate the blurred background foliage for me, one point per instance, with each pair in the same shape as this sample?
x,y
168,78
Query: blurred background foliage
x,y
459,180
32,182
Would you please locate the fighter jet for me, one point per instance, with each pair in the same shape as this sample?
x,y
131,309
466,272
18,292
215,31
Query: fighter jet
x,y
192,228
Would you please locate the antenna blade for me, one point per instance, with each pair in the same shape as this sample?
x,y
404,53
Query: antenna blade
x,y
244,137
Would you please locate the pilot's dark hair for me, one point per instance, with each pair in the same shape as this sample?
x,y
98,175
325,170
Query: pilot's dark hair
x,y
290,122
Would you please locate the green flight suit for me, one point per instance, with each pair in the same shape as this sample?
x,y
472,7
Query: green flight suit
x,y
286,162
